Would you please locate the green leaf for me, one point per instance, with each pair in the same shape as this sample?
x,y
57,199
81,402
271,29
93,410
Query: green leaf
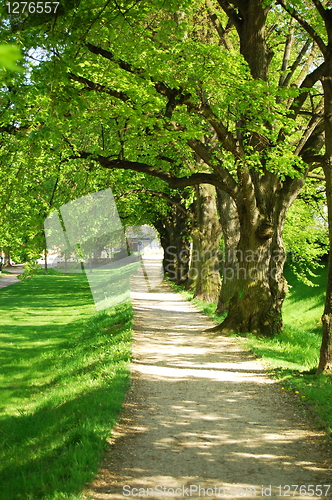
x,y
9,55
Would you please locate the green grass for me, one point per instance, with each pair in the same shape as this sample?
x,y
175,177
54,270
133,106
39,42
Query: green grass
x,y
64,374
297,346
293,355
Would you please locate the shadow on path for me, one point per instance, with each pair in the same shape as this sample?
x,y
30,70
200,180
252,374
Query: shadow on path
x,y
203,420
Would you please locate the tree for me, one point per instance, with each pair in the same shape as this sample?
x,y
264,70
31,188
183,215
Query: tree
x,y
168,213
231,234
177,86
320,31
204,272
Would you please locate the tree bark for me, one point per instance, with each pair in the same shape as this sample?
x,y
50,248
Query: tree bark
x,y
259,286
249,18
325,360
204,273
175,239
231,233
7,258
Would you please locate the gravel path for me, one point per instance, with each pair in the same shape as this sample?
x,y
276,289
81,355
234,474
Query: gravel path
x,y
10,279
203,420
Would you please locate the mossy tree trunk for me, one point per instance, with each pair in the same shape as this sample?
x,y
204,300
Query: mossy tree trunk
x,y
255,277
231,234
204,272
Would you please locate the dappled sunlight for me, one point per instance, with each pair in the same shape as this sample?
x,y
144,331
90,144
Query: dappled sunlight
x,y
202,412
163,373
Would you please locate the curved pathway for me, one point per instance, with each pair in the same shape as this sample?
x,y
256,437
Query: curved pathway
x,y
10,279
203,420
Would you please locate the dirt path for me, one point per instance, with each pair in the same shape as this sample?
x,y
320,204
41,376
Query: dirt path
x,y
203,420
10,279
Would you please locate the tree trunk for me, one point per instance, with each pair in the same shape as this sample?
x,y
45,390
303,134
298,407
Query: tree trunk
x,y
204,272
325,360
251,31
253,282
174,238
193,261
45,264
7,258
165,243
231,234
259,285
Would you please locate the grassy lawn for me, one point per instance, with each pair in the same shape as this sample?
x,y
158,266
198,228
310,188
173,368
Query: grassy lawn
x,y
293,355
297,347
64,374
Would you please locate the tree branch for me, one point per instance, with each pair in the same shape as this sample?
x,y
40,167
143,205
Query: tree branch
x,y
225,137
320,9
307,83
175,96
172,180
308,134
107,54
317,160
296,63
309,29
222,32
316,176
228,183
231,13
98,87
287,53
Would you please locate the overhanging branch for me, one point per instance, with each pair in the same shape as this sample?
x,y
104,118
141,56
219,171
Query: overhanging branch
x,y
98,87
107,54
316,176
306,26
172,180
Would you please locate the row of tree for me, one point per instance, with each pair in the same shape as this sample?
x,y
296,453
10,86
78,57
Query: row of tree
x,y
207,118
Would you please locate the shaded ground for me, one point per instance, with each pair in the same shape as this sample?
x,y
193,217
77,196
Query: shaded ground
x,y
203,420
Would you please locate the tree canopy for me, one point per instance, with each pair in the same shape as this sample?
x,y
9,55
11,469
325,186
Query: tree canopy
x,y
164,96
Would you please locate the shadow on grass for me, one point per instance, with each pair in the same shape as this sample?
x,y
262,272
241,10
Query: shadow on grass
x,y
58,445
304,305
300,292
288,353
64,375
